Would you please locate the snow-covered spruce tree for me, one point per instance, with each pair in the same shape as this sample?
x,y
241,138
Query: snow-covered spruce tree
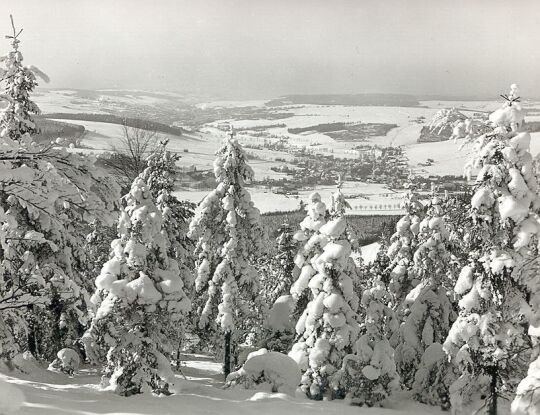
x,y
160,175
141,302
368,375
46,197
427,309
19,82
283,269
488,342
313,242
279,275
327,328
402,246
228,235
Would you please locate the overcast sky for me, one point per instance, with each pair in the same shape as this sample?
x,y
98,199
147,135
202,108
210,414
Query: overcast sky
x,y
265,48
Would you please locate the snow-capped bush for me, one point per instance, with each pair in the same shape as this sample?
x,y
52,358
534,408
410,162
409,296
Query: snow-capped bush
x,y
433,377
269,371
67,361
278,332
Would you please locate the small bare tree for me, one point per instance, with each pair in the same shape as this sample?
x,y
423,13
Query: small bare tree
x,y
128,158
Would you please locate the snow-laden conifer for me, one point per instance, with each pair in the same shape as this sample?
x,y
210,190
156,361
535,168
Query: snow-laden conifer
x,y
488,342
141,301
160,175
283,271
402,247
19,82
327,328
311,242
46,197
368,375
228,235
428,311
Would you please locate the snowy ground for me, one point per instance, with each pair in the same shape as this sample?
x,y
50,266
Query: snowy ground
x,y
364,198
199,150
48,393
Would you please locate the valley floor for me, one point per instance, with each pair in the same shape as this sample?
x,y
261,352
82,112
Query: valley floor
x,y
48,393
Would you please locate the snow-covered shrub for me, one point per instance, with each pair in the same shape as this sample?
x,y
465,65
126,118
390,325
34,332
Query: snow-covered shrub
x,y
433,377
327,328
67,361
368,375
228,235
487,342
11,398
269,371
140,301
278,332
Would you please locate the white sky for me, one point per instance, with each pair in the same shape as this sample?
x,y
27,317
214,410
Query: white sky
x,y
264,48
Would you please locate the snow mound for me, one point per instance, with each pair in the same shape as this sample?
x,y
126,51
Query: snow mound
x,y
265,396
26,363
274,371
67,361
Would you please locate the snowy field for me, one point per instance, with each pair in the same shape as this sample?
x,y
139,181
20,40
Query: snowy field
x,y
49,393
364,198
198,150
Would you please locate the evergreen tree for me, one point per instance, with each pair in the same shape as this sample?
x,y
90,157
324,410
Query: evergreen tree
x,y
228,235
141,302
282,269
47,196
160,174
278,274
402,247
487,342
327,328
19,82
428,312
313,242
368,375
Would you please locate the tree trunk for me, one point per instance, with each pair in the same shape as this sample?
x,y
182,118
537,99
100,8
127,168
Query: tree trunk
x,y
493,392
227,355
